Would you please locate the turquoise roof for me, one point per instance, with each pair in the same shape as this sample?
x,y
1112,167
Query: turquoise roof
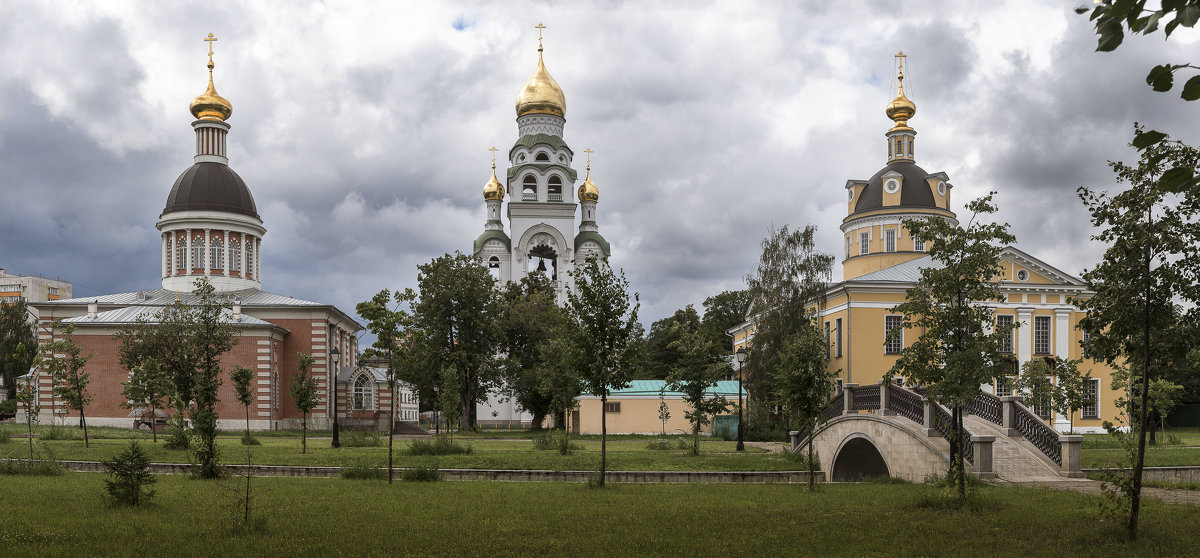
x,y
728,388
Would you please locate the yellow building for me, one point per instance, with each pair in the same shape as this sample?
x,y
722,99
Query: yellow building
x,y
634,410
882,261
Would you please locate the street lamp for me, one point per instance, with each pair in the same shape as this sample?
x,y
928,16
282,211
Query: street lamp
x,y
335,355
741,358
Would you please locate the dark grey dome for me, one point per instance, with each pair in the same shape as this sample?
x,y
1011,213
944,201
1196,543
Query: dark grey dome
x,y
210,187
914,190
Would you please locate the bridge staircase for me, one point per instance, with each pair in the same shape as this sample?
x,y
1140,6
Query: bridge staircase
x,y
911,435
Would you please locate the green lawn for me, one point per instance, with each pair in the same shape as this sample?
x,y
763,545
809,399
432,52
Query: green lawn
x,y
624,454
1179,447
67,516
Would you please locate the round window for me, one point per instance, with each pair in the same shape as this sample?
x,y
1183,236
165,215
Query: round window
x,y
1022,275
851,192
941,188
891,186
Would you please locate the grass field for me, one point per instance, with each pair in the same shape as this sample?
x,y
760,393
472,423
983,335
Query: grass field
x,y
67,515
627,454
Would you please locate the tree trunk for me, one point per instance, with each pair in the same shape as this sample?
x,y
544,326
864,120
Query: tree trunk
x,y
1136,499
247,421
961,453
603,438
391,436
812,431
304,433
696,437
83,422
29,422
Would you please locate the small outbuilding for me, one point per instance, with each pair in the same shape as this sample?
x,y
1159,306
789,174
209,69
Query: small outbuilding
x,y
635,409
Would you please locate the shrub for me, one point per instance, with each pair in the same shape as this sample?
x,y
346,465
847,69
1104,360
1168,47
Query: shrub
x,y
683,443
177,434
659,444
130,480
361,439
556,439
763,431
249,440
5,437
438,445
364,471
420,474
37,468
801,458
60,433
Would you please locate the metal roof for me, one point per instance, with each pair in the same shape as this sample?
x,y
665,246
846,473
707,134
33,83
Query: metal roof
x,y
149,314
907,272
651,388
163,297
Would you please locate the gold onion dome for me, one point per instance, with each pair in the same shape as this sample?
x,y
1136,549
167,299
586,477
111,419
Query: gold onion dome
x,y
901,108
493,190
588,191
209,105
541,94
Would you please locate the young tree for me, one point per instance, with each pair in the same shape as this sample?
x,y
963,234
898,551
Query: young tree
x,y
956,352
1150,262
211,335
694,374
27,396
18,336
304,395
529,319
805,382
602,331
1036,383
788,293
130,477
388,318
664,410
147,388
1070,386
448,400
241,378
63,362
456,317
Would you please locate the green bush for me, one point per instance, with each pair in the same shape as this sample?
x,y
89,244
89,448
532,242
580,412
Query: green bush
x,y
130,477
660,444
248,439
801,458
8,408
439,445
766,432
683,443
5,436
421,474
361,439
37,468
177,434
364,471
556,439
60,433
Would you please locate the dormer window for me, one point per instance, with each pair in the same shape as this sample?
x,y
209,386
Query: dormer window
x,y
555,191
542,157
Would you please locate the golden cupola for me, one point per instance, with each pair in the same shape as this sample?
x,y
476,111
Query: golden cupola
x,y
541,94
901,108
493,190
209,105
588,192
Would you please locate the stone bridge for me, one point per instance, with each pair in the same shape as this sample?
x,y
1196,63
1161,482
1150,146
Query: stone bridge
x,y
887,430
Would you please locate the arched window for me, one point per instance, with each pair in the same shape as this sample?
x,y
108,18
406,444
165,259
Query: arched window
x,y
198,251
217,253
494,267
361,397
235,255
555,191
529,188
180,252
168,256
250,257
542,157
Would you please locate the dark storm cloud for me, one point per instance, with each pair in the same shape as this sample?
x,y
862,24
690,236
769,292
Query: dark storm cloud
x,y
362,128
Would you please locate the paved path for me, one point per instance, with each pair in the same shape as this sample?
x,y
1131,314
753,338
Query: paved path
x,y
1088,486
1013,459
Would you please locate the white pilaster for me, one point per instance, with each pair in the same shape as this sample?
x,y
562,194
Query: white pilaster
x,y
188,251
206,251
225,252
1024,335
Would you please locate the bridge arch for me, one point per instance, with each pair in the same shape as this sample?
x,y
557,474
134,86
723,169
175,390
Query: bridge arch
x,y
858,458
902,446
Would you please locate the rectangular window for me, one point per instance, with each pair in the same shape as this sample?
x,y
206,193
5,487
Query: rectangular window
x,y
918,244
198,252
1004,386
837,385
864,243
1087,336
52,290
828,340
1041,335
612,407
838,345
889,242
1091,399
17,288
1006,343
847,247
892,345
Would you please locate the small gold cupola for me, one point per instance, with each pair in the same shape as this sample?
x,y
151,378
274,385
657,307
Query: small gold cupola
x,y
901,138
209,105
493,190
588,192
541,94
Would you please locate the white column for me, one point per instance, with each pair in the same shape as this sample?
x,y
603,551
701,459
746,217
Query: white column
x,y
258,259
1024,335
1062,333
187,252
166,253
225,253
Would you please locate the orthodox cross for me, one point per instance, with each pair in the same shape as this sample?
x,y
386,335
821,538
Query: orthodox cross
x,y
493,150
539,27
589,157
210,40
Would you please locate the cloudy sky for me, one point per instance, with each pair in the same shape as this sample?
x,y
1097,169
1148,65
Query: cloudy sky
x,y
362,128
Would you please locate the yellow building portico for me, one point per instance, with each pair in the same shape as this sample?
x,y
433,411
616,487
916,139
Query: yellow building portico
x,y
882,260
